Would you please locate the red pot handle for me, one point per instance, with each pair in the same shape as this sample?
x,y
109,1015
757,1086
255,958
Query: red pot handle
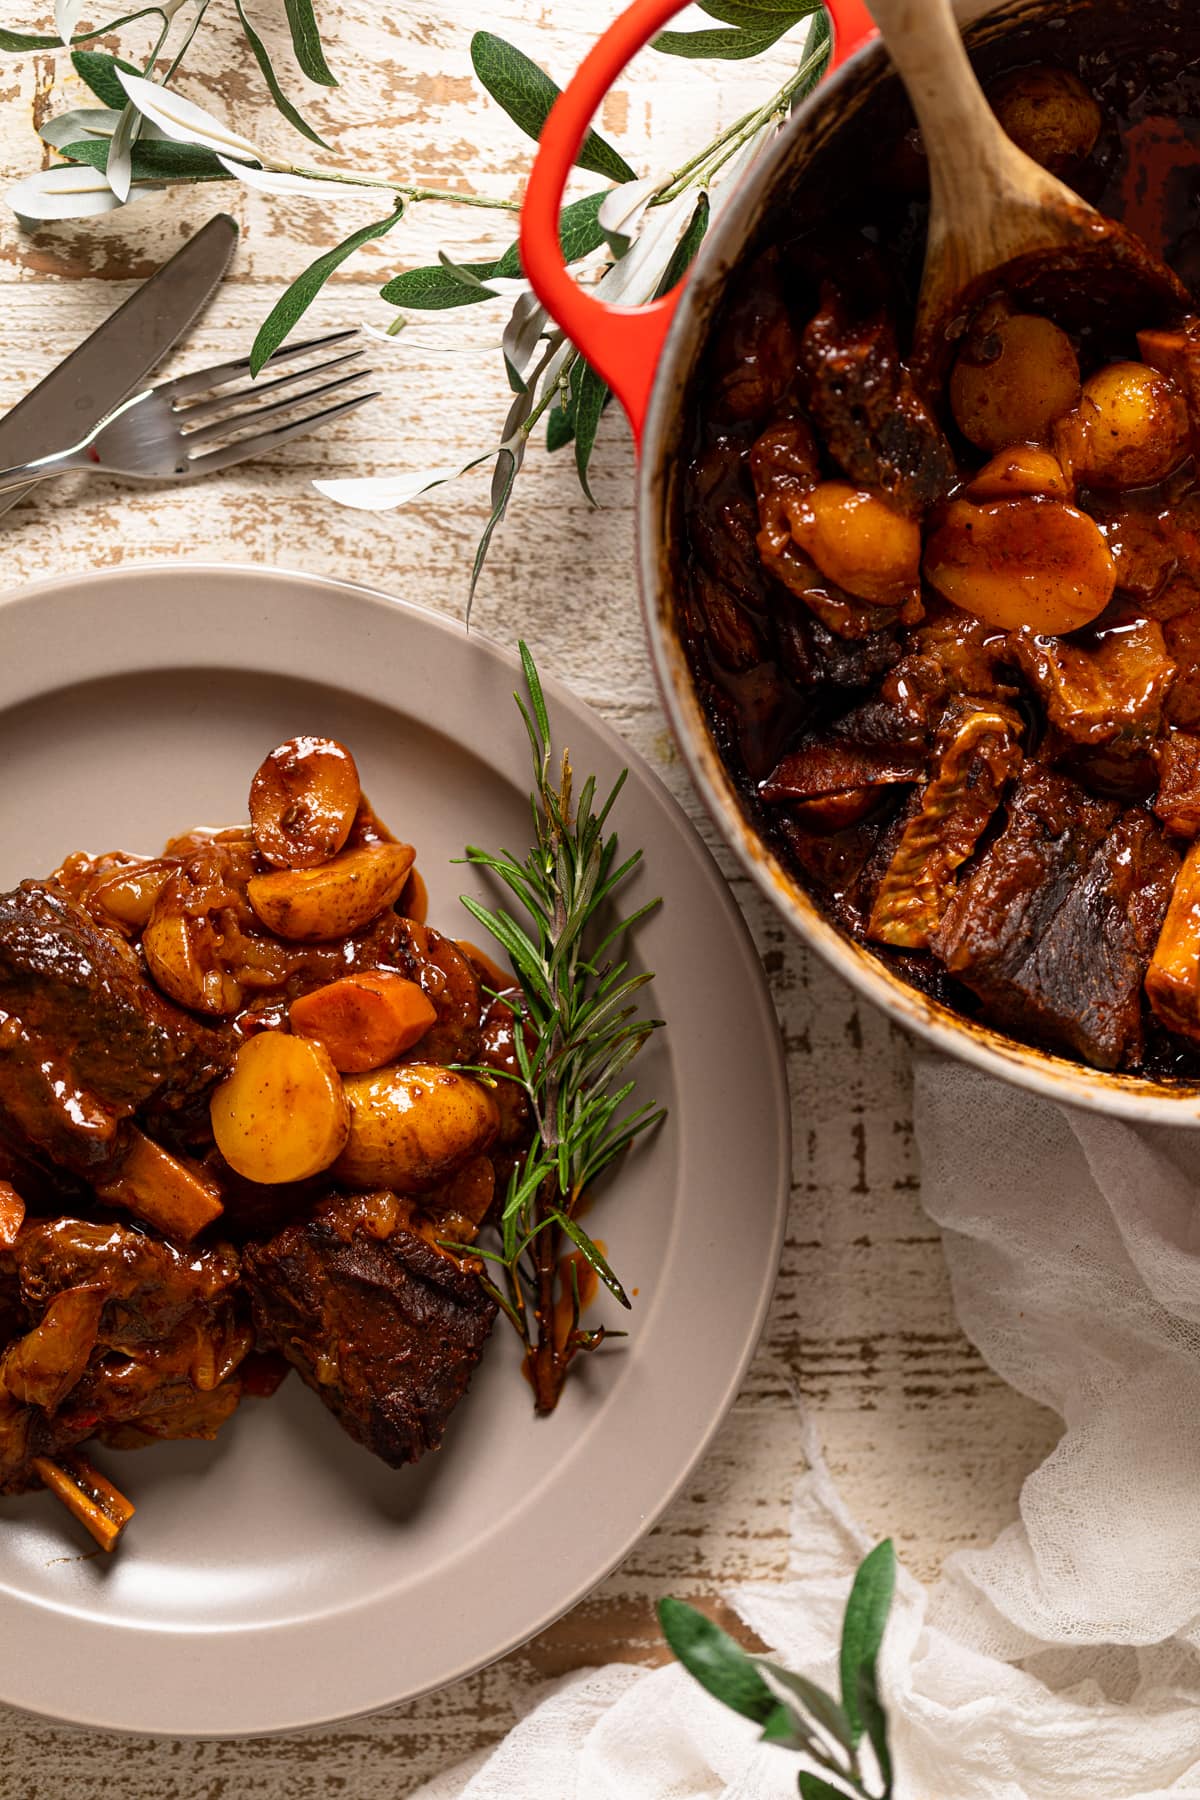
x,y
622,343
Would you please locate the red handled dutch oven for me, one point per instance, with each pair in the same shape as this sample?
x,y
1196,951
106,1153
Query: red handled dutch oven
x,y
649,356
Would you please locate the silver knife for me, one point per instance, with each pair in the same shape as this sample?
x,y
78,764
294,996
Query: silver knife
x,y
111,364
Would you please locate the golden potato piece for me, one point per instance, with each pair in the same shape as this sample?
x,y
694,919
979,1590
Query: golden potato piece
x,y
1049,114
1015,563
303,801
1130,429
413,1125
281,1115
857,541
1024,470
308,905
182,952
1012,379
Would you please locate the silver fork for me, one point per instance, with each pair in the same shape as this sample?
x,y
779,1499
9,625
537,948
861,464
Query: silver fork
x,y
159,434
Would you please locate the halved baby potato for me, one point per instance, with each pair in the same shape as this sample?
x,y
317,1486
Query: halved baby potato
x,y
1014,376
340,897
1019,472
858,541
1017,563
413,1125
281,1115
1131,428
302,802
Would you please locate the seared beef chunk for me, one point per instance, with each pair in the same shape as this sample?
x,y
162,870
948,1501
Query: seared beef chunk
x,y
85,1039
1055,927
449,983
387,1330
867,411
121,1337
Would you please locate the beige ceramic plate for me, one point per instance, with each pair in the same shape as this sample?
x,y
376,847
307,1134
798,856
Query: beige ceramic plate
x,y
282,1576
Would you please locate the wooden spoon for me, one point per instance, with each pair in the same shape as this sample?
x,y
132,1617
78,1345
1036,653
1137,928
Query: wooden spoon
x,y
999,221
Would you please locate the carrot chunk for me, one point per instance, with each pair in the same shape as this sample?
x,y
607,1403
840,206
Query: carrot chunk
x,y
364,1021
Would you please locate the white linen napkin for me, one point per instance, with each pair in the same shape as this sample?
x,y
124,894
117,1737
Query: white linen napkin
x,y
1063,1663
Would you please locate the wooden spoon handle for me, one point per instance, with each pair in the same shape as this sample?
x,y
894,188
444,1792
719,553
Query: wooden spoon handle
x,y
924,42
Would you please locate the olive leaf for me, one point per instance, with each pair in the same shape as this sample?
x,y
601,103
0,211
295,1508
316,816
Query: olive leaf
x,y
579,233
291,113
797,1691
733,45
290,308
97,122
184,121
713,1659
862,1629
815,1787
153,159
98,71
526,93
435,289
593,396
26,40
118,164
306,42
67,191
67,14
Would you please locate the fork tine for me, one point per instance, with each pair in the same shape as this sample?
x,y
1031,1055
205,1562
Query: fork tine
x,y
204,409
271,440
202,379
222,428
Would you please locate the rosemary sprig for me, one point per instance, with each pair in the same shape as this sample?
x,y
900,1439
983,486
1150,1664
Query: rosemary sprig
x,y
577,1032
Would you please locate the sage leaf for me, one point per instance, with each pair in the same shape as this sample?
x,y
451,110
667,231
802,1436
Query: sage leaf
x,y
579,233
526,93
184,121
153,160
306,42
291,113
796,1691
594,395
815,1787
98,122
98,71
434,289
712,1658
863,1627
290,308
734,45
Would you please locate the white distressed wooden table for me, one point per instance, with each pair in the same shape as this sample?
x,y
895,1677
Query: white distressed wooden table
x,y
924,1442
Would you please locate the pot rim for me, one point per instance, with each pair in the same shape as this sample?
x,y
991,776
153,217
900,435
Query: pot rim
x,y
1042,1072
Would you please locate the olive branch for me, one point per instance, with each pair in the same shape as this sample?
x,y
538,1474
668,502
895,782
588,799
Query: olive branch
x,y
632,239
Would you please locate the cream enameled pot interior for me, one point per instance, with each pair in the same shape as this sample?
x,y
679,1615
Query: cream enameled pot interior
x,y
776,190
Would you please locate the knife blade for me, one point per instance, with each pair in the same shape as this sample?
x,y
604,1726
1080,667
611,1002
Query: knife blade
x,y
111,364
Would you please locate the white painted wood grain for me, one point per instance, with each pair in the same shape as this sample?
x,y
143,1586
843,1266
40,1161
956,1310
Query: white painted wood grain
x,y
924,1442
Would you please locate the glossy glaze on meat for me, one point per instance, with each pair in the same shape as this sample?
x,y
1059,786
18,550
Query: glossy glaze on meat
x,y
954,665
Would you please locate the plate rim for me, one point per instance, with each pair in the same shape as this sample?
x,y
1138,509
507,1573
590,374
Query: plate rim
x,y
773,1070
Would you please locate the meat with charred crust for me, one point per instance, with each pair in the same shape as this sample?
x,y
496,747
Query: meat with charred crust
x,y
386,1330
